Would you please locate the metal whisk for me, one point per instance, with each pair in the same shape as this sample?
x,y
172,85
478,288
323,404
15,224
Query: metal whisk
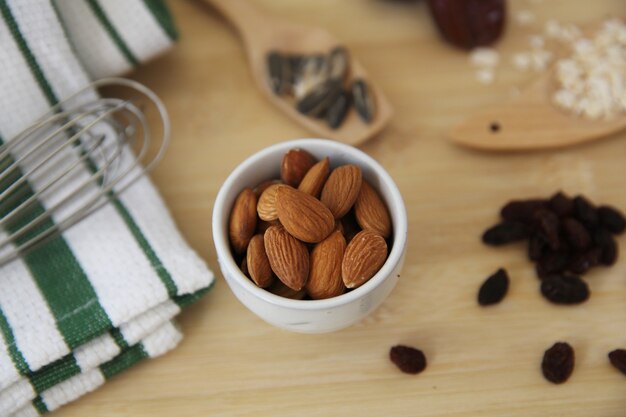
x,y
73,160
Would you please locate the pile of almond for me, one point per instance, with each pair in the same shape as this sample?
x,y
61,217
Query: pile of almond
x,y
315,232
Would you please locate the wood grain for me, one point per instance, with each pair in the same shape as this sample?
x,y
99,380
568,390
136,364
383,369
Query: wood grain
x,y
483,362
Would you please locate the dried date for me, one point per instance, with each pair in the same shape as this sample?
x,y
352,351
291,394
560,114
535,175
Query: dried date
x,y
495,287
408,359
471,23
558,363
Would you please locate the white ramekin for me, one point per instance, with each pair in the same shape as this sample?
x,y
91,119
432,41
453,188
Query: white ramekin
x,y
310,316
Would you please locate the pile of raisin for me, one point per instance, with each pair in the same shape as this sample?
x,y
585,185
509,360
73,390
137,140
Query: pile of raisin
x,y
566,238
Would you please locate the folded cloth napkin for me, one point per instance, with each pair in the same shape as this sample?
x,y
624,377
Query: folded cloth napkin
x,y
101,296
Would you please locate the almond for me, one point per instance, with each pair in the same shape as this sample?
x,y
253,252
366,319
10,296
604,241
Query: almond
x,y
257,263
325,267
266,207
242,221
288,257
303,216
341,189
244,267
296,163
281,290
371,212
364,256
262,225
314,180
258,190
349,226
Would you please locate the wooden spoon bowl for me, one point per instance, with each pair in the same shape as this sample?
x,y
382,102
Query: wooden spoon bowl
x,y
531,121
263,34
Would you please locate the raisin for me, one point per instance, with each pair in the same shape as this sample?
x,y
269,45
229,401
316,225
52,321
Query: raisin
x,y
576,233
555,262
548,223
494,288
408,359
537,247
585,261
521,210
505,232
558,363
611,219
618,360
605,242
564,289
585,211
561,204
542,273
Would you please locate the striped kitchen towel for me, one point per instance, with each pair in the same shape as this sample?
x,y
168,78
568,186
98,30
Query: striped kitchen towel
x,y
101,296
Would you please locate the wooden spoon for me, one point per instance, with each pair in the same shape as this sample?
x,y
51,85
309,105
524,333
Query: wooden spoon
x,y
262,34
531,121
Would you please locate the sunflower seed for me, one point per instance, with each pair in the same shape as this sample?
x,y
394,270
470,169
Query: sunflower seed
x,y
278,69
313,73
295,66
338,64
363,100
337,111
317,102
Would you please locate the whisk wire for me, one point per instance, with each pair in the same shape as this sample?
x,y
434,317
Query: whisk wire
x,y
72,161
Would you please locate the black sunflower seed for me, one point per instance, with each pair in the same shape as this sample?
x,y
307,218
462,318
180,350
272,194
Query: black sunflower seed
x,y
364,102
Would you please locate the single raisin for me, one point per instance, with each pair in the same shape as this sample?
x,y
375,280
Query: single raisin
x,y
618,360
408,359
564,289
585,211
555,262
611,219
548,223
558,363
537,247
505,232
561,204
542,273
576,233
605,242
582,262
521,210
493,290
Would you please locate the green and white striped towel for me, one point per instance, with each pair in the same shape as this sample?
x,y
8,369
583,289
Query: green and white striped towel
x,y
101,296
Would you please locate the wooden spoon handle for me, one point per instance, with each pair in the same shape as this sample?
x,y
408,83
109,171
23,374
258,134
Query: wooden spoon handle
x,y
245,17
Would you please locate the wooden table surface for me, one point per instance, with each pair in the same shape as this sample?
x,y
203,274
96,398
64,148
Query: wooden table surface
x,y
481,361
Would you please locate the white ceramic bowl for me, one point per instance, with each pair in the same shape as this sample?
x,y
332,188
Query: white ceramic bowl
x,y
310,316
